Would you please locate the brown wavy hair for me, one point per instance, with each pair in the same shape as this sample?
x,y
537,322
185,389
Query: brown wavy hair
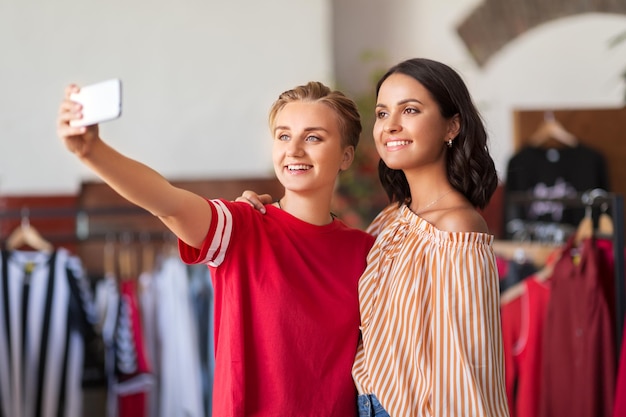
x,y
470,168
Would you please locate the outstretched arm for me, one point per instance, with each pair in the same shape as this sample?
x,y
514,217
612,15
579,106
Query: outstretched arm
x,y
186,214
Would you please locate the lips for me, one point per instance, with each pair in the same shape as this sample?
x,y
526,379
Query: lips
x,y
298,167
396,143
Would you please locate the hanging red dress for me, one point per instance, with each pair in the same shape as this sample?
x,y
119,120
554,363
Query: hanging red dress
x,y
578,371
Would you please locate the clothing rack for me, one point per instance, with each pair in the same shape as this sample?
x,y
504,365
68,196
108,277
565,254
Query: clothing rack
x,y
89,232
615,205
81,217
83,232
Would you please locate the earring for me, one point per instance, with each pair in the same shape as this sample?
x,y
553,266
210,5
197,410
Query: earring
x,y
449,143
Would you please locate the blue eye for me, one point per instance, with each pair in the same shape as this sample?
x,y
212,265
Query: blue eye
x,y
283,137
312,139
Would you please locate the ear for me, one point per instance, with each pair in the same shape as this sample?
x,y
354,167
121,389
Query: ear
x,y
454,126
348,157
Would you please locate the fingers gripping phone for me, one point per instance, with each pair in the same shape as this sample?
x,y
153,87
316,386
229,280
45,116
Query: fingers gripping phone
x,y
101,102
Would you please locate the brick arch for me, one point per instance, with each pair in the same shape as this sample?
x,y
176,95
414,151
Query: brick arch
x,y
496,22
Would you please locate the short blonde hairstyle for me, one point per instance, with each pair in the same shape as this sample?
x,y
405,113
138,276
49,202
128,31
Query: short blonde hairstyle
x,y
314,91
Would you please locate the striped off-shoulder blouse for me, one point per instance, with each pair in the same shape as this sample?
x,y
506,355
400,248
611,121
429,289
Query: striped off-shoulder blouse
x,y
430,321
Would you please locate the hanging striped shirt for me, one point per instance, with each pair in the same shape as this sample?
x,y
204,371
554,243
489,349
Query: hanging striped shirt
x,y
431,337
47,325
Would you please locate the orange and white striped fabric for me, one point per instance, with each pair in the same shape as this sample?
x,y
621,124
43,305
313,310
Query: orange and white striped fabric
x,y
430,321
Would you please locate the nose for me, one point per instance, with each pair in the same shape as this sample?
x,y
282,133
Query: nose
x,y
391,125
294,148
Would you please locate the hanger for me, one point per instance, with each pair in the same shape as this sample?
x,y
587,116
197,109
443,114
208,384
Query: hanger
x,y
537,253
109,256
585,227
26,235
605,222
148,255
546,272
542,275
127,258
170,244
551,130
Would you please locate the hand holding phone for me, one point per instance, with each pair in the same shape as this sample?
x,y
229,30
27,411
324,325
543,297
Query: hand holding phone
x,y
101,102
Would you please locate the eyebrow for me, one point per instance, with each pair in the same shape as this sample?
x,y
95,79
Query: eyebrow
x,y
405,101
308,129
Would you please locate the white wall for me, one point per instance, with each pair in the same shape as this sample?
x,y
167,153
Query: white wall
x,y
199,77
565,63
198,80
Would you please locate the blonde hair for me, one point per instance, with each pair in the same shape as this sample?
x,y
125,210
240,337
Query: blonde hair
x,y
314,91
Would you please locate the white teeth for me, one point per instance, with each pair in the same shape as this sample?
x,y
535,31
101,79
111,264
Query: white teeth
x,y
397,143
297,167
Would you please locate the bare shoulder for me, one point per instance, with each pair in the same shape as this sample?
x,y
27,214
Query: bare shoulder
x,y
464,219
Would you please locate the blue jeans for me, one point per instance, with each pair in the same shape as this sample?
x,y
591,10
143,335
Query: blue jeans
x,y
370,407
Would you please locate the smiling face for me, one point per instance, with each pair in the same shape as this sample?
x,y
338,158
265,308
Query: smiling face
x,y
410,132
308,151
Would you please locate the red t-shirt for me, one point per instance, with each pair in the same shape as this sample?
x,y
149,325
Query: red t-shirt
x,y
286,311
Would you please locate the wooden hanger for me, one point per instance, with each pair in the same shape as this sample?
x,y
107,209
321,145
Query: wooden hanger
x,y
535,252
26,235
127,259
170,244
148,255
519,288
551,130
605,223
541,275
109,256
585,229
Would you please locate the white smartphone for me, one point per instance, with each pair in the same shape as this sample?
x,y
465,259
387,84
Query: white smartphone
x,y
101,102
